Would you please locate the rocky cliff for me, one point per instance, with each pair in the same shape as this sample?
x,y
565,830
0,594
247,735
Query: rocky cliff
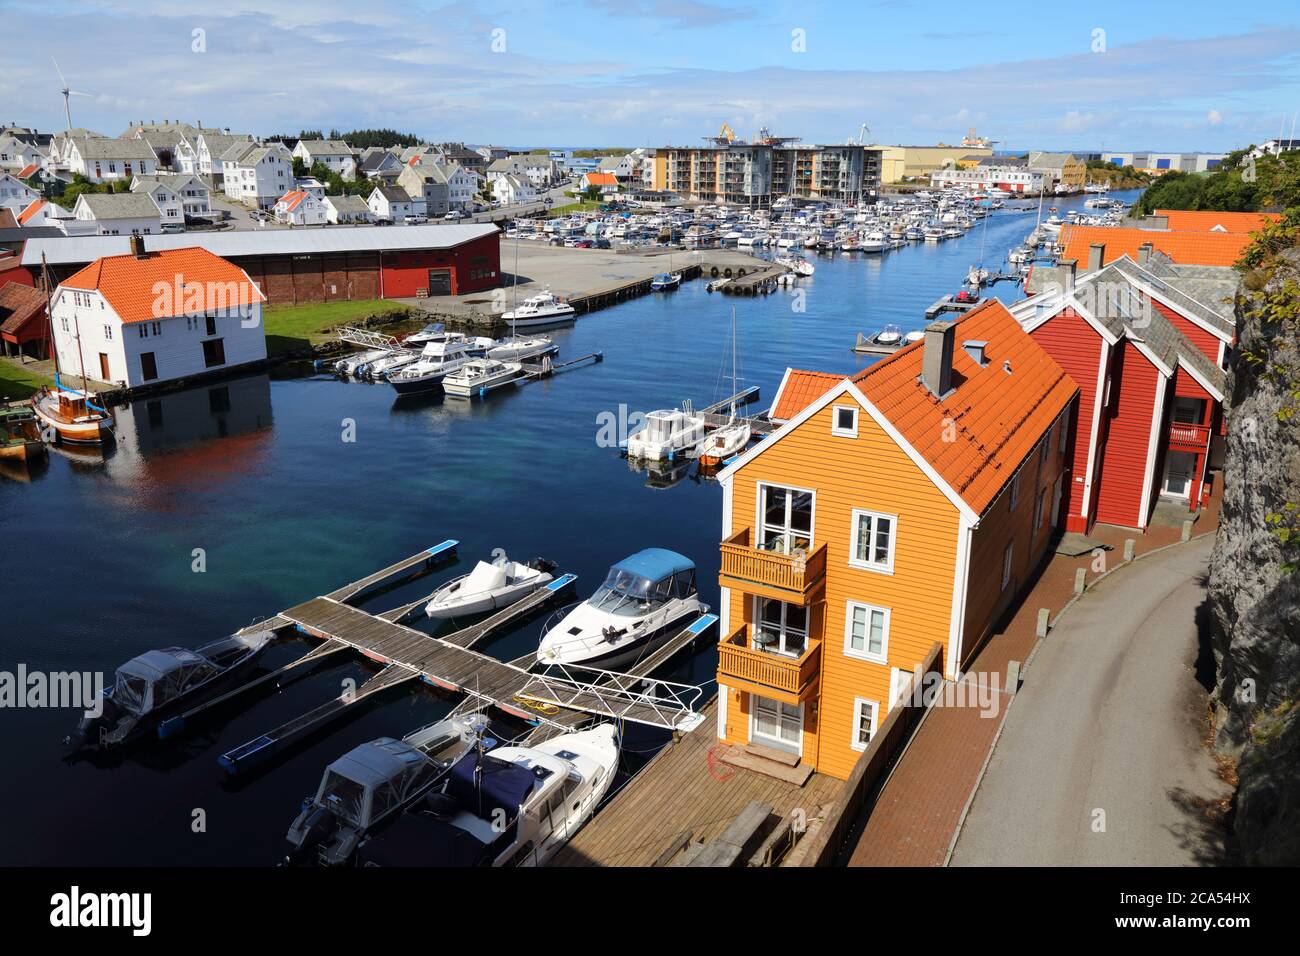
x,y
1254,585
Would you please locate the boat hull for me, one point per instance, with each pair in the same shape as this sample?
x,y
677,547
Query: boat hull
x,y
628,653
22,451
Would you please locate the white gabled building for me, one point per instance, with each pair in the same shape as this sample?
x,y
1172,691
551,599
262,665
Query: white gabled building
x,y
149,317
394,204
16,194
345,209
334,154
116,214
171,211
509,189
101,159
16,155
257,175
298,207
209,150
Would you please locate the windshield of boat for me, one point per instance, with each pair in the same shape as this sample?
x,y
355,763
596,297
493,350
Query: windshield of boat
x,y
344,796
631,594
131,693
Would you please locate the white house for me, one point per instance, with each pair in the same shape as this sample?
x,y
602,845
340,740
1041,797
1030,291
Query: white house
x,y
16,155
311,186
171,211
194,193
101,159
394,204
257,175
511,189
210,149
148,317
117,214
380,164
15,194
300,208
43,213
335,154
344,209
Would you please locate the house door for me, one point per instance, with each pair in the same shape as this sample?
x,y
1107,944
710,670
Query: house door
x,y
1056,503
148,366
439,282
776,724
103,368
1178,474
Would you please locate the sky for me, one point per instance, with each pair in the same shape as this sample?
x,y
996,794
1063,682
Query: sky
x,y
1191,75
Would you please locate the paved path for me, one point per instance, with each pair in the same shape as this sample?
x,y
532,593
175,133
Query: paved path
x,y
1110,718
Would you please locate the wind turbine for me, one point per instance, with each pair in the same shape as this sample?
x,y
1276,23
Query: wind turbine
x,y
67,113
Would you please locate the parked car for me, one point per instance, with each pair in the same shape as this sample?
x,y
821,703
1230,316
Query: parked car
x,y
416,220
454,215
172,227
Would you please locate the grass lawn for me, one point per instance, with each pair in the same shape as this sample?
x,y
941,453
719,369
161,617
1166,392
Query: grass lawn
x,y
17,382
291,327
585,205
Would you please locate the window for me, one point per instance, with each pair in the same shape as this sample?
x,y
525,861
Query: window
x,y
777,723
148,367
64,320
1015,491
873,541
108,333
864,722
212,324
1065,430
1038,510
845,422
1006,566
866,632
142,330
157,329
781,628
786,519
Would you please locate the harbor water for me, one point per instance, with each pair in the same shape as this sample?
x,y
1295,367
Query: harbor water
x,y
224,504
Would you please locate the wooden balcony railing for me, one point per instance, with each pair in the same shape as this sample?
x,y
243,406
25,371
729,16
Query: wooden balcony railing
x,y
794,575
1189,436
789,676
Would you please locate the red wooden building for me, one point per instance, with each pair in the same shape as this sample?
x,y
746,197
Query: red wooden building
x,y
1147,346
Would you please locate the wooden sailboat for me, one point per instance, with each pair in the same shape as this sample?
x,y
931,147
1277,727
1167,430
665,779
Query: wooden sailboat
x,y
69,413
731,438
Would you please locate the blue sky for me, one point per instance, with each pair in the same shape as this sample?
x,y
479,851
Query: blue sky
x,y
1187,75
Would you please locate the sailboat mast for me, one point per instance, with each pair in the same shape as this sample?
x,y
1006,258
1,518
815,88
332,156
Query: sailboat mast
x,y
49,317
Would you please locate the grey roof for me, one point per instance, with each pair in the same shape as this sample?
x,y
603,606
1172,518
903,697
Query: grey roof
x,y
219,143
326,147
375,158
71,250
610,163
392,193
120,205
1175,288
1015,162
250,154
173,181
1042,160
351,203
101,147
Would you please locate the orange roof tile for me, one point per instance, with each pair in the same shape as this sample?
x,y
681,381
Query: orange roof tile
x,y
799,390
601,179
135,287
1184,248
31,169
30,211
1188,220
292,198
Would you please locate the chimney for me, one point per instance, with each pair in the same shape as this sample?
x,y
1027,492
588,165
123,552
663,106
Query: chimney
x,y
1069,269
936,358
1096,256
1144,253
137,245
975,349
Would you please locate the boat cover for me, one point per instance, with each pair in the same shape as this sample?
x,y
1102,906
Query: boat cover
x,y
378,761
388,772
499,785
654,563
483,578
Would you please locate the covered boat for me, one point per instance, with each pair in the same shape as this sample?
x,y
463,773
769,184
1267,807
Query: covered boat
x,y
20,434
488,586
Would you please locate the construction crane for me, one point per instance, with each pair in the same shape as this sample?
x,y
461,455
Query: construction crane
x,y
727,133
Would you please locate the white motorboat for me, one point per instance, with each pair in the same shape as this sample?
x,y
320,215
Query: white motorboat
x,y
521,348
541,311
476,346
436,362
873,242
515,806
349,364
890,335
665,282
488,587
796,264
667,433
378,369
645,599
480,376
433,332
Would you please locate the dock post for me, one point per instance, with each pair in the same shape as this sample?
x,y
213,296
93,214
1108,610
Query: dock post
x,y
1130,546
1187,530
1080,580
1040,629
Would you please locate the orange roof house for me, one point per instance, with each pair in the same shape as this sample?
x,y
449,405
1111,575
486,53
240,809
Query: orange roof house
x,y
1199,248
599,179
31,210
1187,220
892,510
291,199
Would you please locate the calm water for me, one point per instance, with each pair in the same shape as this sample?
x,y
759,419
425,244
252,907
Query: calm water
x,y
97,556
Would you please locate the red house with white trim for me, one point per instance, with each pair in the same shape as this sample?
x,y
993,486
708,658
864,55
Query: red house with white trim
x,y
1147,345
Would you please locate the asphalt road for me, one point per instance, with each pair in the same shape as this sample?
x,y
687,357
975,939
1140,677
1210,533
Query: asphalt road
x,y
1107,730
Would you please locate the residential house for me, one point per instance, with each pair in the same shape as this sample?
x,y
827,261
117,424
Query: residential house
x,y
336,155
346,209
425,180
101,159
257,175
16,155
61,146
311,186
210,153
23,328
1147,342
171,211
298,207
620,167
148,317
379,164
510,190
116,214
1007,173
905,506
15,194
1187,247
41,212
459,155
1069,172
605,182
193,193
394,204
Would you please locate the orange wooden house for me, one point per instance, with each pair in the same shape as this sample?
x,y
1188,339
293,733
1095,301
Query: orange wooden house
x,y
900,507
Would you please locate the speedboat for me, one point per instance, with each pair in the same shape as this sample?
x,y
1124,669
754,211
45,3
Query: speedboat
x,y
73,415
541,311
349,364
372,783
480,376
646,598
476,346
153,684
667,433
873,242
515,806
489,586
665,281
433,332
916,335
20,434
796,264
521,348
378,369
436,362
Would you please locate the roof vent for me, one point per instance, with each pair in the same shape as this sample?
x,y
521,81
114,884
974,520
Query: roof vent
x,y
1006,366
1096,256
975,349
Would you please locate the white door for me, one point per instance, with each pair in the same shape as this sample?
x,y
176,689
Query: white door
x,y
1178,474
777,724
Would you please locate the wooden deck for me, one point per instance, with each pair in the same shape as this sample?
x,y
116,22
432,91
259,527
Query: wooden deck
x,y
686,792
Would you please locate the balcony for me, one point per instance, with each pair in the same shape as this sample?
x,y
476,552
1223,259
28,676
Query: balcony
x,y
1187,437
785,577
791,680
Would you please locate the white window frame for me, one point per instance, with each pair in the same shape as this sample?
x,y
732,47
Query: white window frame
x,y
760,514
865,654
854,742
862,565
1008,556
836,429
774,741
779,647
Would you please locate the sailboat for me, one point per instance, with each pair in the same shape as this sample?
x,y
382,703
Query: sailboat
x,y
667,281
69,413
728,439
516,348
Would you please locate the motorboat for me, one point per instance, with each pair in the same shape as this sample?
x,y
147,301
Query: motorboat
x,y
646,598
796,264
873,242
514,806
480,376
541,311
890,335
20,434
489,586
371,784
72,414
349,364
476,346
523,347
378,369
153,684
433,332
916,335
437,361
933,233
666,433
1020,255
665,282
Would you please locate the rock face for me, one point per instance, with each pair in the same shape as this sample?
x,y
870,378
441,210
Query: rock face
x,y
1255,599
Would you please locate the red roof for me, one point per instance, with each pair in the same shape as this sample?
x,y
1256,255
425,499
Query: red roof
x,y
1187,220
20,305
292,198
799,390
1184,248
32,209
165,284
29,170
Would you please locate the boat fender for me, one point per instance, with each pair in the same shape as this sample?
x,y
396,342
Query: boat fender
x,y
727,272
740,273
714,272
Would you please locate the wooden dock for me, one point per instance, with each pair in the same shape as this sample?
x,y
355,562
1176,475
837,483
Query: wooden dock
x,y
687,793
